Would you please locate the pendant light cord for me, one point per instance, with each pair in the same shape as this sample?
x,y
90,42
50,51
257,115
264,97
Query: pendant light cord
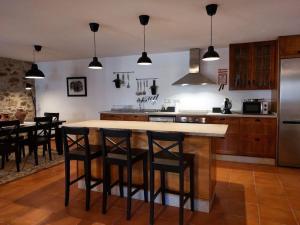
x,y
33,54
95,53
210,30
144,38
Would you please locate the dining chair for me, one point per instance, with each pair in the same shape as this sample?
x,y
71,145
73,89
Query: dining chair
x,y
10,141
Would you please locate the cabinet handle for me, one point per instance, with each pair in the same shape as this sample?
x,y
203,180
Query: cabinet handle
x,y
253,81
257,139
257,120
249,82
222,118
299,52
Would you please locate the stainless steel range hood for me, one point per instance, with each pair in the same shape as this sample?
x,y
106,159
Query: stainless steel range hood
x,y
194,77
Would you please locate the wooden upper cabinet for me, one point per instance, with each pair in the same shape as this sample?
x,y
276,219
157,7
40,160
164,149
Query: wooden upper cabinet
x,y
240,64
253,66
289,46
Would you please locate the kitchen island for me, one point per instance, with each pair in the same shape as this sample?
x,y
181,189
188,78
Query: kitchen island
x,y
198,141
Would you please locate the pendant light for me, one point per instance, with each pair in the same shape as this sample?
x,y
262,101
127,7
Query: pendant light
x,y
211,54
34,72
144,59
95,64
28,86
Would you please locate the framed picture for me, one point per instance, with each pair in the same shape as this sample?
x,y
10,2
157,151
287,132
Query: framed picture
x,y
76,86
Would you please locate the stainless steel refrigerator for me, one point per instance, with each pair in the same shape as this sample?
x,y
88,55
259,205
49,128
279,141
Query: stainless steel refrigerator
x,y
289,114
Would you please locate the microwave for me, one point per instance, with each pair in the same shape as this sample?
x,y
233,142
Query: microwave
x,y
256,106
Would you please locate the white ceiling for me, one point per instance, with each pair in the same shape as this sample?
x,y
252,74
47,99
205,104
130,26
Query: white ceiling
x,y
175,25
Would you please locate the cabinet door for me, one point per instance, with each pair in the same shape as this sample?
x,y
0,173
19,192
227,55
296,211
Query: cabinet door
x,y
240,66
289,46
264,65
105,116
259,126
230,144
258,146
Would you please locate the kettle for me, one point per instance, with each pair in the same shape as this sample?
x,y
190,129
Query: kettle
x,y
227,106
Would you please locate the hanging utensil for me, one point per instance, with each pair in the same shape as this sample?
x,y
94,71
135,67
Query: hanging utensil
x,y
128,85
123,79
144,92
137,89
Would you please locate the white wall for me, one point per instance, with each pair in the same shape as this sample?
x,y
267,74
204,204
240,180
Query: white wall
x,y
168,67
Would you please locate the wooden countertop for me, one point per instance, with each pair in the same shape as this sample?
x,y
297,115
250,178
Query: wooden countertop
x,y
192,113
207,130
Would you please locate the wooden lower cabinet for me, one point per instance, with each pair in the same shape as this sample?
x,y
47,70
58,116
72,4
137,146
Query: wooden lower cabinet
x,y
246,136
123,117
230,144
254,137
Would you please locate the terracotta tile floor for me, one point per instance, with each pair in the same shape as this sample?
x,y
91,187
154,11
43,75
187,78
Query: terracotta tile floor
x,y
245,195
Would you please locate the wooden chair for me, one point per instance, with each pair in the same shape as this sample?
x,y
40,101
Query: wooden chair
x,y
165,160
9,141
77,147
117,150
41,137
55,118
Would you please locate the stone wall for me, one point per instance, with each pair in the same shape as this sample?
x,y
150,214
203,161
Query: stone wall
x,y
13,95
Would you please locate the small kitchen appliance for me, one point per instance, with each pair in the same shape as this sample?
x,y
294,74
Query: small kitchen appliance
x,y
227,106
256,106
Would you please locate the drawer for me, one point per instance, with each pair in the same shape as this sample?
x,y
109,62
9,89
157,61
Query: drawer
x,y
135,117
111,117
258,146
233,123
229,145
261,126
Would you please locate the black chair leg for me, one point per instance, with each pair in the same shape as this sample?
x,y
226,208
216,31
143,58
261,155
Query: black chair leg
x,y
121,181
49,150
129,187
108,180
44,149
3,160
181,197
145,177
17,158
87,172
163,187
36,160
192,190
105,189
67,181
151,195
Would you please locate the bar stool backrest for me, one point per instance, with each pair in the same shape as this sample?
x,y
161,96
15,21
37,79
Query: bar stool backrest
x,y
76,139
116,141
161,144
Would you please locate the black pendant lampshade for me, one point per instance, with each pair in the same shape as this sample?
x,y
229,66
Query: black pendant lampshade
x,y
95,64
34,72
211,54
144,59
28,86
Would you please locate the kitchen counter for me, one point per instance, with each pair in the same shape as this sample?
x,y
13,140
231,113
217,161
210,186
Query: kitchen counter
x,y
198,141
190,113
208,130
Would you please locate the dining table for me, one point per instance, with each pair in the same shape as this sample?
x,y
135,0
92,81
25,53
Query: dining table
x,y
28,127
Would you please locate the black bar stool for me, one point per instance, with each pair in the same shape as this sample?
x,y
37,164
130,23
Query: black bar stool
x,y
164,160
79,149
9,141
117,150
